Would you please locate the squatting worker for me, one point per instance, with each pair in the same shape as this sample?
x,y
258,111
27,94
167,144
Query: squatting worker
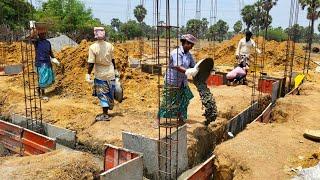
x,y
176,93
101,59
44,58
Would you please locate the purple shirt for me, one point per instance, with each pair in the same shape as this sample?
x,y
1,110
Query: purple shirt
x,y
178,58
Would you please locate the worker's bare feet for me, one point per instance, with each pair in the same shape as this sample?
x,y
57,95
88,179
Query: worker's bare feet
x,y
103,117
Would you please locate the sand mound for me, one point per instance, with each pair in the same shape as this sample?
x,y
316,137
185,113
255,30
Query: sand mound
x,y
60,164
11,52
275,53
70,77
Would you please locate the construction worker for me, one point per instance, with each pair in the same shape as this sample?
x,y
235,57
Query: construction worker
x,y
238,73
176,93
245,45
44,58
101,59
244,50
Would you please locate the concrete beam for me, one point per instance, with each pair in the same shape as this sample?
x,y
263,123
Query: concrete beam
x,y
132,169
149,148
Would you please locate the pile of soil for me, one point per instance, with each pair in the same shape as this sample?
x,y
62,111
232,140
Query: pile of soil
x,y
275,53
133,48
60,164
308,160
70,76
12,52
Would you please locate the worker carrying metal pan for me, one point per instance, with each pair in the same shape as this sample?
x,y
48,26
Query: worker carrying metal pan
x,y
176,93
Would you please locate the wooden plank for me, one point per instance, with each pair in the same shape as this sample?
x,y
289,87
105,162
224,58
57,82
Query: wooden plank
x,y
205,171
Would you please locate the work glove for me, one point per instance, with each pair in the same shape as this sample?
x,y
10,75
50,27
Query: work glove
x,y
32,24
258,51
55,60
191,71
88,78
116,74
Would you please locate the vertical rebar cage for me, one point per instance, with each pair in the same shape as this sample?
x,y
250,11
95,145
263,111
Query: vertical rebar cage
x,y
33,110
166,42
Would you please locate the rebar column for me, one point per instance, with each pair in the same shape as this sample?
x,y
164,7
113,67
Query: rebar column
x,y
33,110
167,144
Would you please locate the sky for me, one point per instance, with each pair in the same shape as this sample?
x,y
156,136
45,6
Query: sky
x,y
227,10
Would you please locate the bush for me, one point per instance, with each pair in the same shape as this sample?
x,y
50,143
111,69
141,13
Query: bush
x,y
276,34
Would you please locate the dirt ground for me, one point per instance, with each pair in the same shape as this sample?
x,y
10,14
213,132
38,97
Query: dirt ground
x,y
78,113
72,106
274,150
59,164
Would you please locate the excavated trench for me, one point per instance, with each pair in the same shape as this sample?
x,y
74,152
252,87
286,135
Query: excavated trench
x,y
201,140
226,166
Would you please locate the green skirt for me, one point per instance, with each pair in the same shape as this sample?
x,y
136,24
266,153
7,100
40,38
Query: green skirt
x,y
175,102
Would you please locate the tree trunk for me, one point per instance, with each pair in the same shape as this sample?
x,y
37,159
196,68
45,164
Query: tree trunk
x,y
310,43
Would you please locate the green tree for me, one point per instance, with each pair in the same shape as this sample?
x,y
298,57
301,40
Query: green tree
x,y
219,30
15,14
257,15
115,23
313,14
67,15
306,34
237,27
204,27
194,27
140,13
131,29
248,14
296,32
263,18
276,34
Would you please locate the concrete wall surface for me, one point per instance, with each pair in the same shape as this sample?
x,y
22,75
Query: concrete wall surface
x,y
132,170
149,148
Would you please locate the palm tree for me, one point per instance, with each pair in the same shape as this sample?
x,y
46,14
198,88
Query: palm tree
x,y
140,13
248,14
313,14
115,23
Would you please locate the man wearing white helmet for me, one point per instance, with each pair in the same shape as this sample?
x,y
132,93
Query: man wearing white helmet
x,y
101,59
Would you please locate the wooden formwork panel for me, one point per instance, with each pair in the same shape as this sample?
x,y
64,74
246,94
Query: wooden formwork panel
x,y
34,143
114,156
215,80
205,171
265,85
24,141
10,136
